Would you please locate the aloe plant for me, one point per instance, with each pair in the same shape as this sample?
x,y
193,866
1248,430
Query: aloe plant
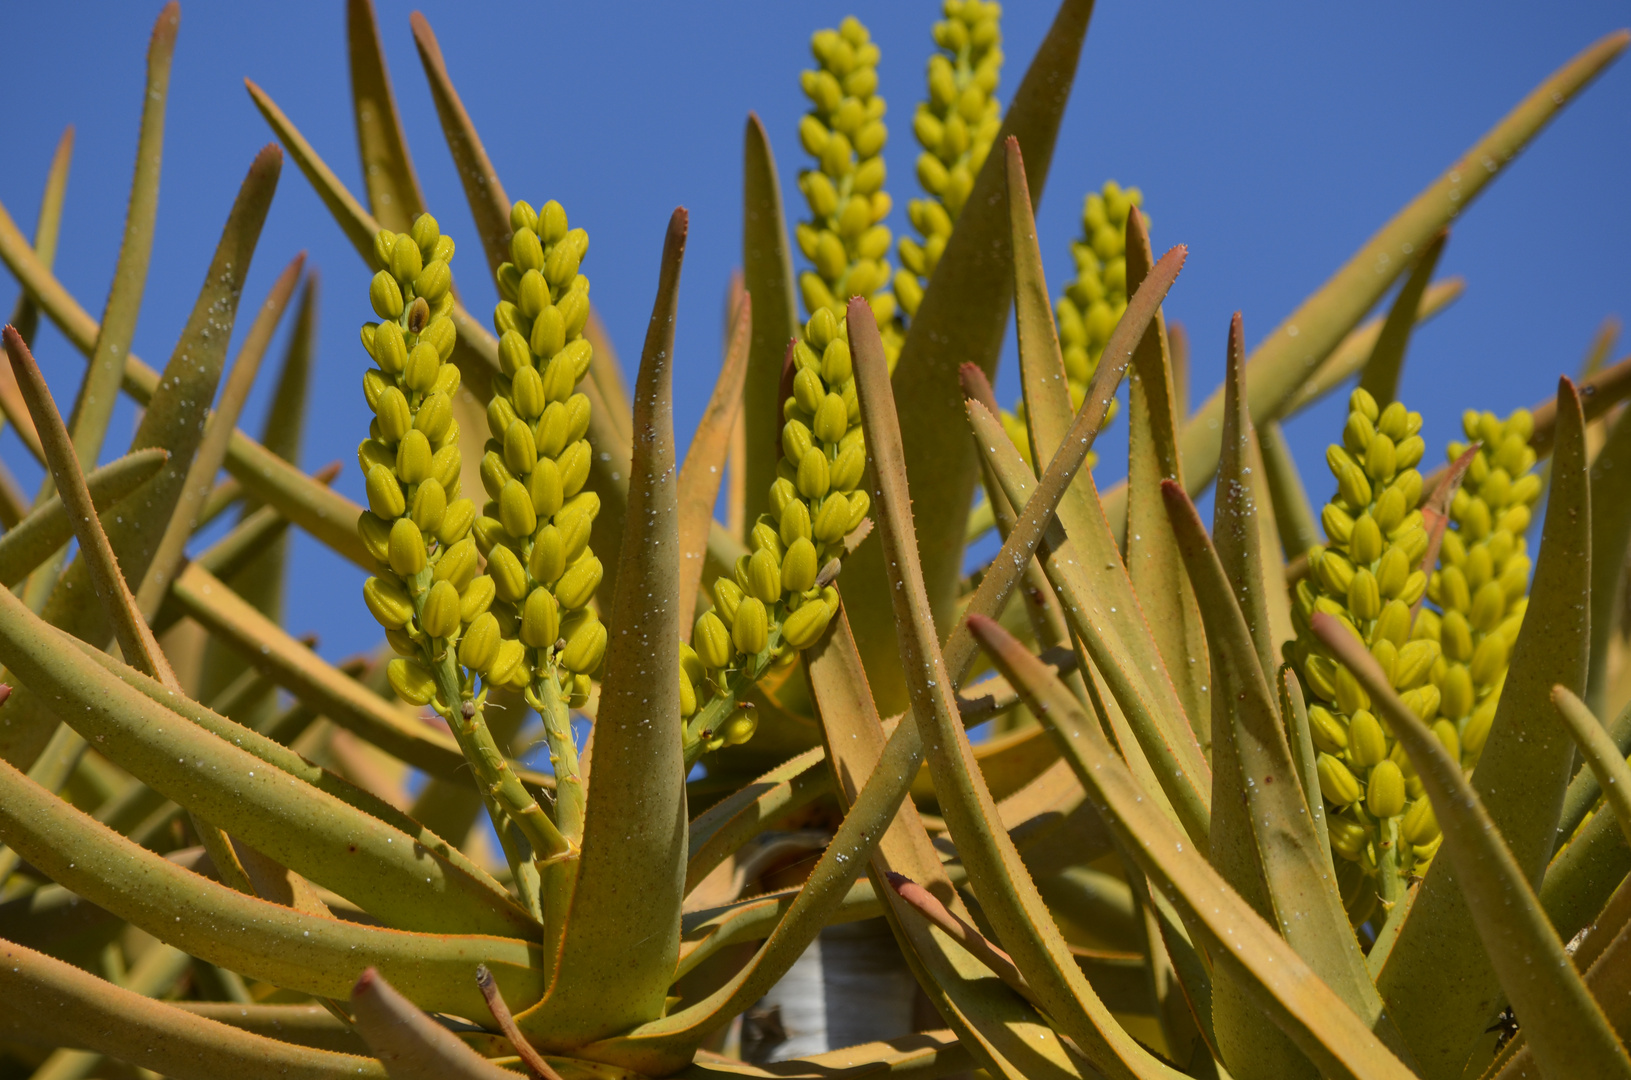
x,y
1264,804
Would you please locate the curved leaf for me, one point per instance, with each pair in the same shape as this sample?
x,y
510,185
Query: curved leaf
x,y
387,170
1584,791
1305,1008
54,1002
1610,540
1004,1032
100,390
961,319
719,832
767,274
259,939
1565,1025
1438,981
1380,378
1004,888
32,540
1293,515
1302,342
623,927
1264,840
1602,756
47,228
1154,565
704,464
311,831
410,1044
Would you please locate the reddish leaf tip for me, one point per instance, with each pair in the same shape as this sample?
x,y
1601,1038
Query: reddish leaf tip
x,y
365,981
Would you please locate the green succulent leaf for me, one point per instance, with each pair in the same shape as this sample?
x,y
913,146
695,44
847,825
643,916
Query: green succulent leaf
x,y
1153,563
259,939
1005,1033
1610,538
393,188
1003,886
1602,756
1380,377
1322,1026
1297,347
29,542
410,1044
724,827
704,464
55,1002
767,275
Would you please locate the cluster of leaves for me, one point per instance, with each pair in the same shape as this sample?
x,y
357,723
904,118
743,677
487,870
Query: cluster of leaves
x,y
1232,823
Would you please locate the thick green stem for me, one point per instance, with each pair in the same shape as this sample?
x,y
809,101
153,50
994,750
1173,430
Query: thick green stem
x,y
559,877
1390,884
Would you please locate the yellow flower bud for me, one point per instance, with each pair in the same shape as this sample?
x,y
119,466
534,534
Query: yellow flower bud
x,y
799,568
1365,545
764,576
376,534
1488,660
579,583
525,250
440,616
805,626
1416,660
395,419
434,281
796,440
728,596
574,520
1420,825
494,474
1337,784
1348,837
574,467
711,640
1364,597
388,602
457,564
1367,744
413,456
540,619
1350,696
515,510
456,521
859,503
832,519
1385,794
1334,572
750,631
831,419
585,644
385,295
814,476
406,549
509,576
548,559
478,648
509,666
476,598
1330,734
384,494
846,472
411,680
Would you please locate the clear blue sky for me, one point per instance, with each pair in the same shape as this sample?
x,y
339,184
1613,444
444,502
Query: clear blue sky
x,y
1273,138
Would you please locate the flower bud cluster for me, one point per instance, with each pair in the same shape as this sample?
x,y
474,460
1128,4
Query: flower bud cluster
x,y
845,238
1094,302
417,524
1482,580
955,127
531,609
777,601
1368,577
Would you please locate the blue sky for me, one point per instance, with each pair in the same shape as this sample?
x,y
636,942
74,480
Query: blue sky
x,y
1272,138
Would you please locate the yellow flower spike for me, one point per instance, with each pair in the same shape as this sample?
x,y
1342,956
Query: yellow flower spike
x,y
845,238
1483,571
1368,577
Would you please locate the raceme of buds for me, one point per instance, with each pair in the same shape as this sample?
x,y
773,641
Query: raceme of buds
x,y
845,238
1368,576
417,524
955,125
1094,302
1480,587
776,604
534,528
